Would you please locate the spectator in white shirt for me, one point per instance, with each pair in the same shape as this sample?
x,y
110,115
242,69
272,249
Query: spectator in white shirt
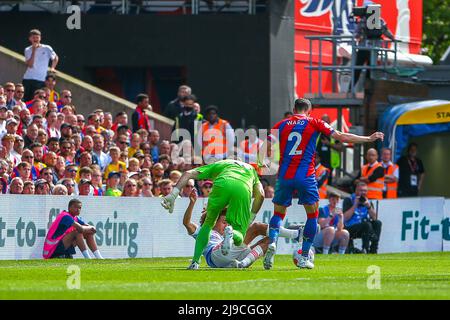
x,y
37,57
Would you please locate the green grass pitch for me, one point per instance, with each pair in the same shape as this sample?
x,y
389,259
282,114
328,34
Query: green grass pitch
x,y
402,276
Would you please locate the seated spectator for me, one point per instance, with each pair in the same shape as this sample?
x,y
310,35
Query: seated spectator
x,y
47,175
42,187
164,148
332,233
157,173
186,191
269,192
112,184
153,140
60,167
144,136
134,145
97,150
69,231
145,173
69,184
84,187
16,186
133,165
60,190
174,176
360,219
206,188
115,165
146,189
165,160
23,171
97,182
322,175
28,187
166,187
28,156
130,188
38,153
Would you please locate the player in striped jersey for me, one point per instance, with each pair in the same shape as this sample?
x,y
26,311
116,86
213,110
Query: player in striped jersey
x,y
297,136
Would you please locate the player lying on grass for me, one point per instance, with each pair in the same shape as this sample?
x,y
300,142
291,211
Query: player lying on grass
x,y
241,256
69,231
234,184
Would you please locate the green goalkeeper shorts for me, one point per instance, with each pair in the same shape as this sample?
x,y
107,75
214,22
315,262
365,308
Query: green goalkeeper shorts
x,y
235,195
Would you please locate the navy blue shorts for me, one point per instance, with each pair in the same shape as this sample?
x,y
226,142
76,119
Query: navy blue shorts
x,y
306,190
63,252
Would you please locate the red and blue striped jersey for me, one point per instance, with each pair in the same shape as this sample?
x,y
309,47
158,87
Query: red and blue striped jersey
x,y
297,137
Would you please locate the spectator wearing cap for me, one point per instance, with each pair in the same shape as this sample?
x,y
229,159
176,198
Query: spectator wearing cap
x,y
16,186
50,83
206,188
175,106
66,132
135,143
42,187
139,118
84,187
66,151
157,172
47,174
115,165
10,89
187,121
112,184
8,144
28,187
37,58
217,136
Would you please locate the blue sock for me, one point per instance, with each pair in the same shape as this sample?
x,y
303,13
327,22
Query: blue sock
x,y
274,228
308,235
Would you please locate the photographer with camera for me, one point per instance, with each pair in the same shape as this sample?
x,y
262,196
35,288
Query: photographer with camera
x,y
360,219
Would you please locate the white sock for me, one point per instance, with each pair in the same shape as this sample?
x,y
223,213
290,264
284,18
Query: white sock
x,y
285,233
252,256
342,250
86,254
326,249
98,255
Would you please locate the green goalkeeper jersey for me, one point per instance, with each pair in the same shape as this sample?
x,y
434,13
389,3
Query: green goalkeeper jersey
x,y
229,170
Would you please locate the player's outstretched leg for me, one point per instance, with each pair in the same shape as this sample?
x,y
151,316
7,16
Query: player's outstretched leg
x,y
309,233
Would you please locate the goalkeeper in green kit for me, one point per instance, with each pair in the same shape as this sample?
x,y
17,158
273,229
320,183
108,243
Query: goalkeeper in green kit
x,y
235,183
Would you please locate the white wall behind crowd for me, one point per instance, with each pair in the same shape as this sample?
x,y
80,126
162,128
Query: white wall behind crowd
x,y
140,227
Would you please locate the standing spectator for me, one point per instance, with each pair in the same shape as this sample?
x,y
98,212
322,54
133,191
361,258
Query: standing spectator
x,y
175,106
50,83
217,137
112,184
121,119
153,139
332,232
390,174
372,174
412,173
360,219
37,57
10,90
186,120
139,118
329,151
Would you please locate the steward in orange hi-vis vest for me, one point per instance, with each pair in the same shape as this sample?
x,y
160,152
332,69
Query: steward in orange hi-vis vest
x,y
390,190
375,184
322,174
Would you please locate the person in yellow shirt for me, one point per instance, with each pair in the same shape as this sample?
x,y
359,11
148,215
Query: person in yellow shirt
x,y
134,145
115,165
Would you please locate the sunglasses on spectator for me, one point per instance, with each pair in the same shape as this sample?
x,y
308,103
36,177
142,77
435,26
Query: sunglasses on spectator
x,y
81,120
122,142
9,90
27,157
70,185
70,97
72,170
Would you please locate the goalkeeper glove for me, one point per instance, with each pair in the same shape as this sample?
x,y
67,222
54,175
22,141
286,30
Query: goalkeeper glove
x,y
168,201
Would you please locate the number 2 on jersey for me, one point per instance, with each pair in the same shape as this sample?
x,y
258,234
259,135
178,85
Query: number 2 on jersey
x,y
298,139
